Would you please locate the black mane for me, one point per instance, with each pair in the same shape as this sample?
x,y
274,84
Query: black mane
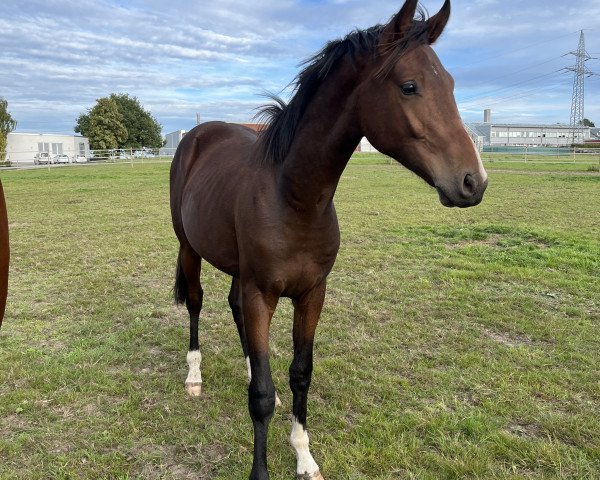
x,y
282,118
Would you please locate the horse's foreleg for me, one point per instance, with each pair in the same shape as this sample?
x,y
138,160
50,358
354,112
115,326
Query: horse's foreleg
x,y
235,303
258,310
307,310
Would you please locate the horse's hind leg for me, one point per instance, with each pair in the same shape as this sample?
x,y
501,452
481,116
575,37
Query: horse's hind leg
x,y
235,303
188,289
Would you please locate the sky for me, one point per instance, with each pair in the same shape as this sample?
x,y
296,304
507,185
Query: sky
x,y
218,58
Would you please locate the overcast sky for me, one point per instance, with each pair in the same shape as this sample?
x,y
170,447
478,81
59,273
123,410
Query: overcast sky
x,y
181,57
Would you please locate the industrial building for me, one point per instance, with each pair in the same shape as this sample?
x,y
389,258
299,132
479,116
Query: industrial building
x,y
172,139
23,147
527,135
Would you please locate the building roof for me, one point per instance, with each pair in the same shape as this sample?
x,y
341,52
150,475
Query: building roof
x,y
257,127
48,134
523,125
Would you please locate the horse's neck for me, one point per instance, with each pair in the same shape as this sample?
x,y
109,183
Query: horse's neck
x,y
324,142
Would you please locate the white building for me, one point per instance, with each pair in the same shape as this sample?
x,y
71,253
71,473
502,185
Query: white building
x,y
172,139
531,135
527,134
22,147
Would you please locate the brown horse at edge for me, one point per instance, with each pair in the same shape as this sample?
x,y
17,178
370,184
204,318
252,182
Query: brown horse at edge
x,y
260,207
4,254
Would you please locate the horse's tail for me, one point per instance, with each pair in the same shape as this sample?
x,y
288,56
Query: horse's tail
x,y
180,288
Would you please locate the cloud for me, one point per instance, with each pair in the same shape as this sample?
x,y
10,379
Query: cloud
x,y
181,57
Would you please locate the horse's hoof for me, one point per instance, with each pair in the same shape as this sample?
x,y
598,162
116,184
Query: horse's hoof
x,y
277,401
310,476
193,389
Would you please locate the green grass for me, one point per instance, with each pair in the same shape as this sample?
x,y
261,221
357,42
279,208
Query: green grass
x,y
503,161
453,343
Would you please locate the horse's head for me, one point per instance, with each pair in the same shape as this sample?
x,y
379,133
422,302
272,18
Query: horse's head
x,y
408,111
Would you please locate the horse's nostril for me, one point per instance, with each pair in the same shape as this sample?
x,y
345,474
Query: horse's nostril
x,y
469,184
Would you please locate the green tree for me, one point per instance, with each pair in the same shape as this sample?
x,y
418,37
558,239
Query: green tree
x,y
83,124
587,123
142,128
105,125
7,125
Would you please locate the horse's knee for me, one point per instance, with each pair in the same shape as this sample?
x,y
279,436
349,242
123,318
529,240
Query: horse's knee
x,y
194,300
261,402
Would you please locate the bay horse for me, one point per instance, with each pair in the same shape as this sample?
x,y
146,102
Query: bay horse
x,y
259,207
4,254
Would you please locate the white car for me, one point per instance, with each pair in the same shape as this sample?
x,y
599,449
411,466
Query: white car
x,y
143,154
80,159
42,157
62,158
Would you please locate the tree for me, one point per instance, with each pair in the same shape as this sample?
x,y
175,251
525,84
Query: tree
x,y
142,128
105,125
587,123
7,125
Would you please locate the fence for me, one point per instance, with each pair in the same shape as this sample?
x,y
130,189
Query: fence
x,y
32,159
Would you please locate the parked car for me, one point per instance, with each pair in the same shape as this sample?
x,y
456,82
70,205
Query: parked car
x,y
143,154
42,157
62,158
80,159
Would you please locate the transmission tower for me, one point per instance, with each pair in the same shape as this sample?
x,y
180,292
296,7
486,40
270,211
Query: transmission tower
x,y
578,101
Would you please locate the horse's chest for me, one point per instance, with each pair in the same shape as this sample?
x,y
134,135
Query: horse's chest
x,y
298,264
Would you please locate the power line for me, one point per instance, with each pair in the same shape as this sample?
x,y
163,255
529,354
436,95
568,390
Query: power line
x,y
503,53
523,82
522,94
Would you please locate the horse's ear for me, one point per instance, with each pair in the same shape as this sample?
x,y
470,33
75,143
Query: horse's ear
x,y
437,23
398,24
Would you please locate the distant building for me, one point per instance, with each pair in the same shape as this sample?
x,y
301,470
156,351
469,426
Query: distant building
x,y
523,134
526,134
23,147
257,127
365,146
172,139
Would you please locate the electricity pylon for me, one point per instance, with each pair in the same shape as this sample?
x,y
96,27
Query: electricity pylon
x,y
578,101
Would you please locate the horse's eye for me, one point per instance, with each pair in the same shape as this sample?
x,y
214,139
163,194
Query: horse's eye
x,y
409,88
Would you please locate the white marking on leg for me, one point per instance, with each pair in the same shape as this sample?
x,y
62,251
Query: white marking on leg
x,y
306,467
193,382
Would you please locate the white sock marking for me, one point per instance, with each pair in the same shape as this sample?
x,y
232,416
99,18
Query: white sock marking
x,y
194,358
249,369
299,440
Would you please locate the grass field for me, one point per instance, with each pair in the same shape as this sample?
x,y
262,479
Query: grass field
x,y
453,343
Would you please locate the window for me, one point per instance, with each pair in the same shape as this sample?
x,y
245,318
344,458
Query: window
x,y
82,148
57,148
43,147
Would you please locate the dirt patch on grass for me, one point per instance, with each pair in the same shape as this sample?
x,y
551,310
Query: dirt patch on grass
x,y
524,430
179,461
512,340
501,241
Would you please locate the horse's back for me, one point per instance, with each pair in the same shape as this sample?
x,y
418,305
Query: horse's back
x,y
4,253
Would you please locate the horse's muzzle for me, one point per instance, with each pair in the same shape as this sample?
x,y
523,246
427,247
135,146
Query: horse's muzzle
x,y
468,192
